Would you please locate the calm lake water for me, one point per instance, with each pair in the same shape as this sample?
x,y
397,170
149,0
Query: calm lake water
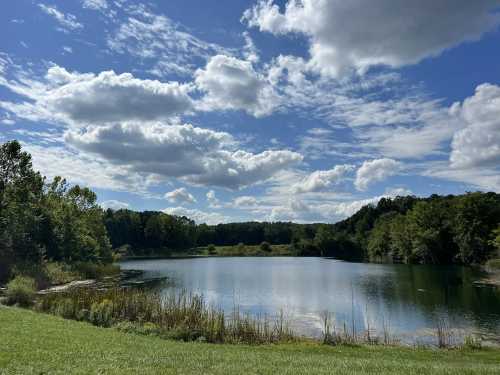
x,y
409,299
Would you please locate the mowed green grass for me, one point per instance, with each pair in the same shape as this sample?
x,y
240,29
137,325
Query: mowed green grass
x,y
33,343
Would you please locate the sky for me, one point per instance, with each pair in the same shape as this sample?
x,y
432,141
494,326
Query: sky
x,y
238,110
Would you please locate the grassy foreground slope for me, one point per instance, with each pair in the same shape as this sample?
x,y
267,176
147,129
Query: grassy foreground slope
x,y
38,343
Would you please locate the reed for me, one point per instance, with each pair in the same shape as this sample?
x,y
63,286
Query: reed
x,y
182,316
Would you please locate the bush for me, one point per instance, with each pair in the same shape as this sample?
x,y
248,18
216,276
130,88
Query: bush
x,y
46,274
90,270
211,249
21,291
101,313
66,309
264,246
493,263
60,273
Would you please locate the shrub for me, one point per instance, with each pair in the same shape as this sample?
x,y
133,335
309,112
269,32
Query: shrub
x,y
96,270
471,342
211,249
493,264
264,246
65,308
101,313
21,291
60,273
241,248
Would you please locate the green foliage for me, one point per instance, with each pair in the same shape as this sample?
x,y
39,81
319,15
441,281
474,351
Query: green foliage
x,y
265,246
89,270
42,222
101,313
60,273
211,249
141,231
21,191
46,274
252,250
493,263
178,316
21,291
439,230
495,242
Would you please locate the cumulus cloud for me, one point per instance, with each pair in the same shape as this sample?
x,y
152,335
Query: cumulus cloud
x,y
359,34
212,200
478,144
67,21
326,210
320,180
245,201
56,160
199,156
375,170
77,98
114,204
180,195
233,84
198,216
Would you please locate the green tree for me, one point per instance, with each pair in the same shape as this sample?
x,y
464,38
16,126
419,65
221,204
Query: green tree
x,y
477,215
21,190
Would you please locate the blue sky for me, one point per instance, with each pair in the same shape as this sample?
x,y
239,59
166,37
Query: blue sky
x,y
255,110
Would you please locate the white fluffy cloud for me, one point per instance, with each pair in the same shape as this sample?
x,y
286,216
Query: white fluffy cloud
x,y
114,204
180,195
245,201
361,33
81,169
320,180
478,144
66,21
106,97
198,216
375,170
326,210
233,84
198,156
212,200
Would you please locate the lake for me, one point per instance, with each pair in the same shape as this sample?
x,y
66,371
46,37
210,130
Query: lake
x,y
409,299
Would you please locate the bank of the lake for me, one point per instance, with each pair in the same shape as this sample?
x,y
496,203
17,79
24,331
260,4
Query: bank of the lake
x,y
410,301
38,343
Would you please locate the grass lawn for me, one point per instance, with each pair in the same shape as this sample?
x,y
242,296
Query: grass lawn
x,y
33,343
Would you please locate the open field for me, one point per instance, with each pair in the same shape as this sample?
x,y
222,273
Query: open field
x,y
38,343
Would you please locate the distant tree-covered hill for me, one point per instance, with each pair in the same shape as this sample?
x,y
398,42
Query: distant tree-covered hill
x,y
437,230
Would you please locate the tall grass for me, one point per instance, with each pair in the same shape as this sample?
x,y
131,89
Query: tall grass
x,y
181,316
21,291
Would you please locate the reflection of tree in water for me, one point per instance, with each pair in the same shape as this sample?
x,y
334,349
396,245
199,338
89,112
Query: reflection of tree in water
x,y
436,290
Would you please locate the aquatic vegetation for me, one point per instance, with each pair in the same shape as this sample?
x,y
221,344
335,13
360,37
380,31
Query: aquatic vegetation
x,y
181,316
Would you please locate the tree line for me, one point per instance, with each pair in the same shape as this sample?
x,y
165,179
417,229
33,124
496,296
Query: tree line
x,y
44,220
450,229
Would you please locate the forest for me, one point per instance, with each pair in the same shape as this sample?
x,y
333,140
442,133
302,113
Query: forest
x,y
52,221
462,229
